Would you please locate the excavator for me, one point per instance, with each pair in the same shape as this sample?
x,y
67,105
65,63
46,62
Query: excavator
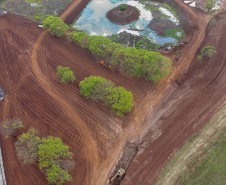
x,y
107,65
119,173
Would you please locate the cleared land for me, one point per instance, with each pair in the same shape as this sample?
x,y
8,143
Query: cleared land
x,y
29,57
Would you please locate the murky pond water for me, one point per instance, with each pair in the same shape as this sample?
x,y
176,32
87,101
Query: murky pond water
x,y
93,20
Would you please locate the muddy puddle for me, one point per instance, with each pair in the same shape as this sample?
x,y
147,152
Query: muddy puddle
x,y
93,20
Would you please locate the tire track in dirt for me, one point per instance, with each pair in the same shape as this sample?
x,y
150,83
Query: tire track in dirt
x,y
90,149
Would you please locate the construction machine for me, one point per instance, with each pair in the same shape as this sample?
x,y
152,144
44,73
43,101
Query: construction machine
x,y
107,65
119,173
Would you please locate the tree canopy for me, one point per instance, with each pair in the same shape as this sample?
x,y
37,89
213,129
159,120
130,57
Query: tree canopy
x,y
55,25
100,89
66,74
9,127
208,51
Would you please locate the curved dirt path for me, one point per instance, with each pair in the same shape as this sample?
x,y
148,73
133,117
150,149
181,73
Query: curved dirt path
x,y
90,146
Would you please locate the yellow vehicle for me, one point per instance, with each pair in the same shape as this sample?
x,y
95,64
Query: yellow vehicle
x,y
119,173
107,65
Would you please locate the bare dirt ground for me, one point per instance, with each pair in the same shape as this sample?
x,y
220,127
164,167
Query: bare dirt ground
x,y
97,138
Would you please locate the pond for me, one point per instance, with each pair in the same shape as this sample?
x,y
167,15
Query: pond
x,y
93,20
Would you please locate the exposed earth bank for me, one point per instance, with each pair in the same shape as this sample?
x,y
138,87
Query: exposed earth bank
x,y
123,17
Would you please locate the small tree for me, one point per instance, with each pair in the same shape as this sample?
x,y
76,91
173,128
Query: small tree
x,y
123,7
27,146
66,74
208,51
55,25
9,127
210,4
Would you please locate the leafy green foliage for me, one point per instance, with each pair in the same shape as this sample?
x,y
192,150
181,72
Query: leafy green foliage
x,y
209,5
120,100
208,51
80,38
57,175
55,25
51,151
175,33
103,90
97,45
130,60
27,146
9,127
66,74
123,7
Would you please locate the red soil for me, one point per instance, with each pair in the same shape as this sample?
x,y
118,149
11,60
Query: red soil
x,y
29,57
118,17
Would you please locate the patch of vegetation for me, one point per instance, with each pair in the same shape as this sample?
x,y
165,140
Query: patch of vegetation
x,y
208,51
169,43
10,127
175,33
171,9
144,43
209,5
151,8
100,89
55,25
123,7
40,17
66,74
136,62
114,38
202,159
52,155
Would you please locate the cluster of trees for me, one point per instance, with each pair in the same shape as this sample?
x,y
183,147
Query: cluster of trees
x,y
139,63
10,127
55,25
66,74
51,154
100,89
207,51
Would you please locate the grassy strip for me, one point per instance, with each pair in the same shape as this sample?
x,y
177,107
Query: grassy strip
x,y
202,159
175,33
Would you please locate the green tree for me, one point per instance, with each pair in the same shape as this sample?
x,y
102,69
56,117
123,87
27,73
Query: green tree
x,y
97,45
58,28
88,85
10,127
80,38
123,7
55,25
66,74
49,21
210,4
51,151
27,146
101,89
208,51
120,100
57,175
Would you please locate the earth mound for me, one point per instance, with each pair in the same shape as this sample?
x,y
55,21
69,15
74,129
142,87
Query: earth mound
x,y
123,17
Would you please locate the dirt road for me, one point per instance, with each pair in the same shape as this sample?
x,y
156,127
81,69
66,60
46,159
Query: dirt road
x,y
96,137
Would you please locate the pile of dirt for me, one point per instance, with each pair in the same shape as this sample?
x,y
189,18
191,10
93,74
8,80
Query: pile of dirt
x,y
123,17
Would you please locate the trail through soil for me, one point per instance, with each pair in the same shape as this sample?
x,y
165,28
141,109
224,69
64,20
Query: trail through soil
x,y
96,136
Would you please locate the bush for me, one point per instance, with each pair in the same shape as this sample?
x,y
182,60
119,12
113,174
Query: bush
x,y
123,7
10,127
100,89
66,74
27,146
209,5
208,51
175,33
55,25
80,38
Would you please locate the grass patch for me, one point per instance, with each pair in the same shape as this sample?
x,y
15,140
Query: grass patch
x,y
175,33
202,160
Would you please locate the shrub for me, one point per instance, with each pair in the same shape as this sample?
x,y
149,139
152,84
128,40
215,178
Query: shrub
x,y
123,7
55,25
80,38
100,89
27,146
9,127
208,51
66,74
175,33
209,5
